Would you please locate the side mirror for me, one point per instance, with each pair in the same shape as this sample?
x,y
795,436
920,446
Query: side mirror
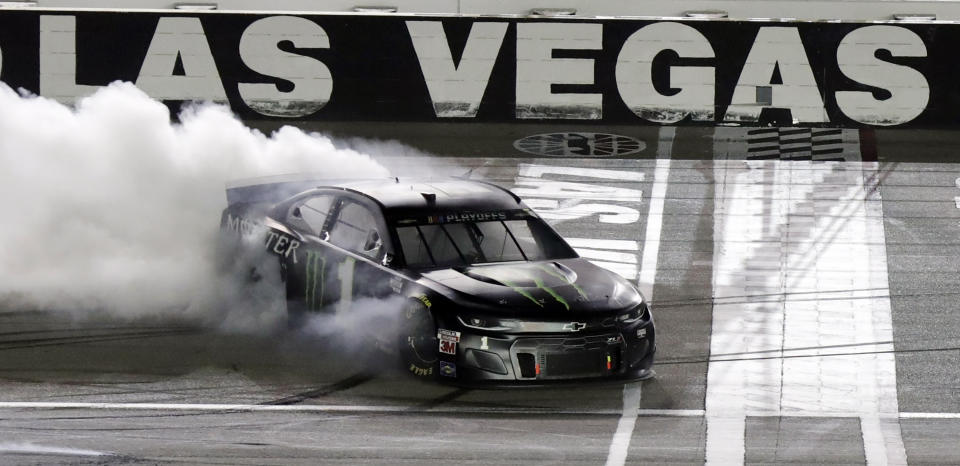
x,y
373,241
387,260
296,212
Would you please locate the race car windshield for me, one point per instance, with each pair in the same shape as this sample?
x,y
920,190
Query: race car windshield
x,y
477,242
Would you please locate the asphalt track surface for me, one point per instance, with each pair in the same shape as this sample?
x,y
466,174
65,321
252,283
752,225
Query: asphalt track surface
x,y
806,313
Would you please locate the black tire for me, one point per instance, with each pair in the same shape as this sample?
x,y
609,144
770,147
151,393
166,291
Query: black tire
x,y
417,340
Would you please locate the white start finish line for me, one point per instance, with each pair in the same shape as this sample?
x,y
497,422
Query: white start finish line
x,y
785,231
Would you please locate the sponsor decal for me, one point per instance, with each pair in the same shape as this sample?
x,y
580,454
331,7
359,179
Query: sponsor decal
x,y
448,341
277,243
282,245
449,335
552,293
462,217
523,292
314,280
448,347
554,273
425,300
242,226
421,371
474,217
579,145
448,369
574,326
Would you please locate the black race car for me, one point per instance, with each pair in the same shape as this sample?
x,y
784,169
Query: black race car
x,y
490,293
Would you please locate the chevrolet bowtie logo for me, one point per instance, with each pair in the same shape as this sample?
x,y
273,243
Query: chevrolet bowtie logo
x,y
574,326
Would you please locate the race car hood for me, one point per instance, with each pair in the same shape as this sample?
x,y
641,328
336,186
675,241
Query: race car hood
x,y
569,285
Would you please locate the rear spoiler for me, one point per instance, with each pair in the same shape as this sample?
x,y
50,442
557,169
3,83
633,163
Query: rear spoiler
x,y
272,189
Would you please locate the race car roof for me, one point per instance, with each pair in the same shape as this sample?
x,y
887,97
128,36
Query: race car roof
x,y
437,195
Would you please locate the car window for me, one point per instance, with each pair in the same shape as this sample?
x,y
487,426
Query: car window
x,y
314,212
414,249
444,251
356,230
496,243
464,243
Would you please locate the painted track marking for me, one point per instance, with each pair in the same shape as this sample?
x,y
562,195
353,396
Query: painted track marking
x,y
632,393
782,228
31,449
658,194
440,410
620,444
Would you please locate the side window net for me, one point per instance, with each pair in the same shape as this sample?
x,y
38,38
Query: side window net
x,y
356,230
314,212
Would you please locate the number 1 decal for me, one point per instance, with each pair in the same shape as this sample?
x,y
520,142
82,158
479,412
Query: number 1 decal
x,y
345,274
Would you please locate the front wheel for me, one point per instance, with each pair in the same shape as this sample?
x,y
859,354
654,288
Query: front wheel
x,y
417,341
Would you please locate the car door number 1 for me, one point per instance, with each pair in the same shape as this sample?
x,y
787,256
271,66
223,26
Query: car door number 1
x,y
345,274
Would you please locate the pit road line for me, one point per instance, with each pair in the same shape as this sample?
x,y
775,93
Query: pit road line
x,y
619,446
632,393
658,193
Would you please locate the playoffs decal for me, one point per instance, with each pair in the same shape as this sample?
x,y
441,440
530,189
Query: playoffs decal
x,y
331,67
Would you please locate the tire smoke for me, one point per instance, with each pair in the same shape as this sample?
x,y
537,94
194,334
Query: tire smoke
x,y
111,207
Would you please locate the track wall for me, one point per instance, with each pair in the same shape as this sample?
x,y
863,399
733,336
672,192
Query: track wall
x,y
347,67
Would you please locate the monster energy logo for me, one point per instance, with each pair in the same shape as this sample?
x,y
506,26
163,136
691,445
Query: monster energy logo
x,y
316,264
551,292
522,292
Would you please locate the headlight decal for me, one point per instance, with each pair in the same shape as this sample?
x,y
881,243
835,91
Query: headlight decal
x,y
488,324
633,315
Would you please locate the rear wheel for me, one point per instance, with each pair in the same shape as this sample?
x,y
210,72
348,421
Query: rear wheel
x,y
418,343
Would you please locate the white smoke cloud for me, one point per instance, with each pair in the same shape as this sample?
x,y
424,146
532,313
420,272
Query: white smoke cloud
x,y
110,206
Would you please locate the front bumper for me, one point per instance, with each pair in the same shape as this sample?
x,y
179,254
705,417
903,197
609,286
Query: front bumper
x,y
618,353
